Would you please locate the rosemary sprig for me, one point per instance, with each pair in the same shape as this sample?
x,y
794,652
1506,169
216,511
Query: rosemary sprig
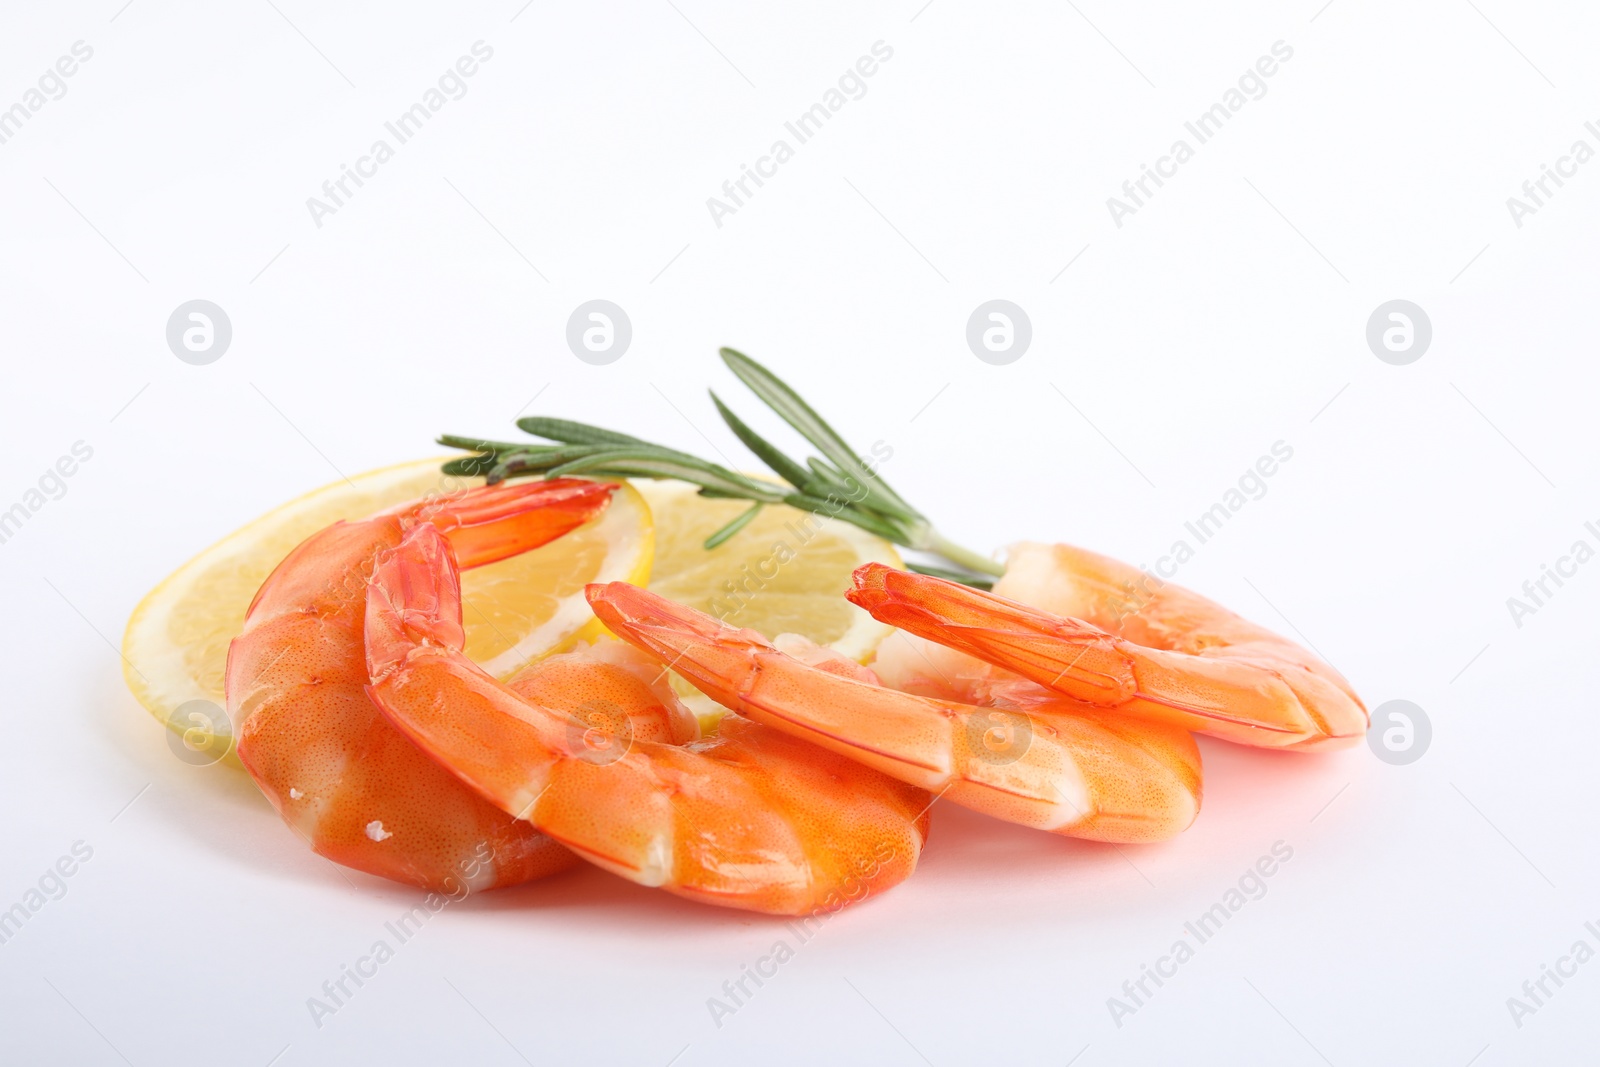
x,y
974,580
840,484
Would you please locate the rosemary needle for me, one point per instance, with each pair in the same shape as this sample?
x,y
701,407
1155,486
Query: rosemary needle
x,y
839,484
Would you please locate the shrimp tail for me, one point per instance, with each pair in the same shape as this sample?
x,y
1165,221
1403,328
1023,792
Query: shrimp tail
x,y
721,658
1031,641
421,581
1227,676
490,523
414,602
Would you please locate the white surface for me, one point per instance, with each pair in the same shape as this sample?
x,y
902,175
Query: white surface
x,y
1194,337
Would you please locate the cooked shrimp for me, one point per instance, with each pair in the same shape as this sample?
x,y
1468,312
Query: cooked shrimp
x,y
337,772
1095,630
1040,760
747,819
620,695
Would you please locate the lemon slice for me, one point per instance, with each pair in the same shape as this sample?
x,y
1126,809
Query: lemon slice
x,y
786,572
175,648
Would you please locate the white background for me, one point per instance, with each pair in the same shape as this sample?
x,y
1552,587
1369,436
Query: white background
x,y
1226,315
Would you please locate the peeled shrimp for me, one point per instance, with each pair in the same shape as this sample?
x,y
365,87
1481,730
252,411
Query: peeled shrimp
x,y
750,818
1097,631
336,771
1038,759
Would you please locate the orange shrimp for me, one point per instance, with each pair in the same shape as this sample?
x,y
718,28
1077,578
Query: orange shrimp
x,y
1037,758
747,819
337,773
1106,638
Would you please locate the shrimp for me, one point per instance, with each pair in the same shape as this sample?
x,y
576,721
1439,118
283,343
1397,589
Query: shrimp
x,y
1106,638
338,774
748,819
1038,759
618,695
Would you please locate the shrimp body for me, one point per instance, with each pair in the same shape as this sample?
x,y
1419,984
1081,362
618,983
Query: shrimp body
x,y
1038,759
749,819
336,771
1093,629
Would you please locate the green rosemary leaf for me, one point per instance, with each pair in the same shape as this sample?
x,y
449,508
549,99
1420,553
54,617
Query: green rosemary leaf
x,y
651,463
976,581
604,438
537,460
470,466
768,453
777,395
739,522
574,433
827,478
886,527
